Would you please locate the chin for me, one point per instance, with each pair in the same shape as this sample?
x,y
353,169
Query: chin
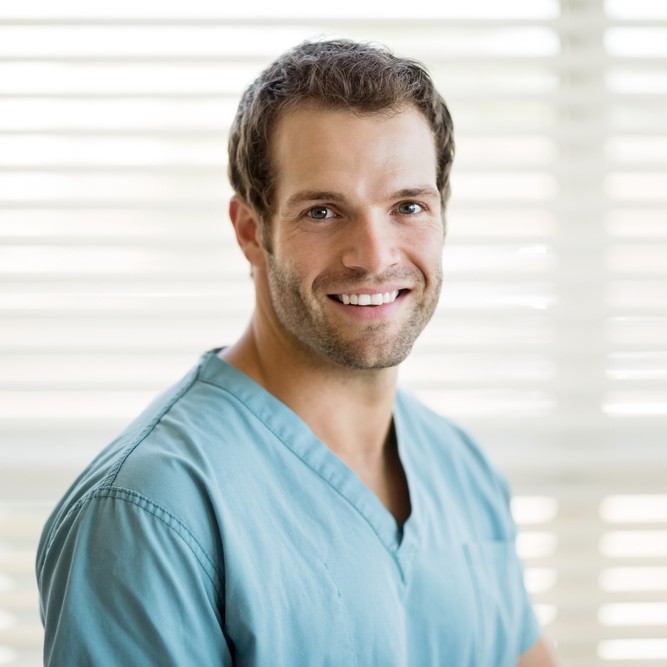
x,y
357,359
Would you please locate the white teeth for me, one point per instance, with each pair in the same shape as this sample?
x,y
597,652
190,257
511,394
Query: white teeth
x,y
368,299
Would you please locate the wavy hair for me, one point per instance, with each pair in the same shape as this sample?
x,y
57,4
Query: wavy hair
x,y
334,74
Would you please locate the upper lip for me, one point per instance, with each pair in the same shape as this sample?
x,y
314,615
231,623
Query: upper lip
x,y
370,290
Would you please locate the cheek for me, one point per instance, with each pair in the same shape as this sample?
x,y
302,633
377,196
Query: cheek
x,y
308,257
292,273
426,249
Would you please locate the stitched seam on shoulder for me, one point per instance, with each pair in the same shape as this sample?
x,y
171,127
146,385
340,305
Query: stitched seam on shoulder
x,y
113,473
107,481
168,519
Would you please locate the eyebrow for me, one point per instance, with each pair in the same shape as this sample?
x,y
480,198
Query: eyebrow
x,y
315,195
332,196
426,190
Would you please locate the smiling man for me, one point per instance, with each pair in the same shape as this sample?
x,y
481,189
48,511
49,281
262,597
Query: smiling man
x,y
285,504
356,239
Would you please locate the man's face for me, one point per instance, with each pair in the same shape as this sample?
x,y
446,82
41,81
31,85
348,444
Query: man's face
x,y
356,235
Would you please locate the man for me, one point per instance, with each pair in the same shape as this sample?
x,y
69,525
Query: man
x,y
284,504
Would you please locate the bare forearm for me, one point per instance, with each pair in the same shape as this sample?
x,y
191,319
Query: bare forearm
x,y
537,656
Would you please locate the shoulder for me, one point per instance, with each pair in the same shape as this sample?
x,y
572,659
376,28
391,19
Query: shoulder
x,y
447,457
441,434
155,471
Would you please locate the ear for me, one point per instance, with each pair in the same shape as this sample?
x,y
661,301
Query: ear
x,y
248,232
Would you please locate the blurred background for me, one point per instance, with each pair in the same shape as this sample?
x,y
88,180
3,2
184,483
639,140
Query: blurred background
x,y
118,267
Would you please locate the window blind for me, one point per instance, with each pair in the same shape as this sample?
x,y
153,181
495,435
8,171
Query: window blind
x,y
118,266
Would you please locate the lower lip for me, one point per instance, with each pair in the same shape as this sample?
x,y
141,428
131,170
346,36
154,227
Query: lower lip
x,y
369,312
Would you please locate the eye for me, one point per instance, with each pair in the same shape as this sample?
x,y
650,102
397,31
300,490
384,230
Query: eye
x,y
319,213
409,208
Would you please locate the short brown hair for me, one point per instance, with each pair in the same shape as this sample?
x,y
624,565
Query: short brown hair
x,y
335,74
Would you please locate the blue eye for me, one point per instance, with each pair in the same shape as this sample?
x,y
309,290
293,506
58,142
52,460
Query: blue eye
x,y
409,208
319,213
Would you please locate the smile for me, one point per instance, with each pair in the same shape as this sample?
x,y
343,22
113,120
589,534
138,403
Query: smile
x,y
367,299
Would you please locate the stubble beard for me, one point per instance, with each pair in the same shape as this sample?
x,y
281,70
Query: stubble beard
x,y
377,345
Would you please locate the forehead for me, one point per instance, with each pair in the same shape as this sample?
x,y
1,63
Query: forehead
x,y
314,148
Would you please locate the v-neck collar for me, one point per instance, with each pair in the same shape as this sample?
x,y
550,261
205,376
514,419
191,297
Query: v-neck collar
x,y
297,436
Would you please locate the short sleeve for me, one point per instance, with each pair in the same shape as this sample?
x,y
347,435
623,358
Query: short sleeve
x,y
123,582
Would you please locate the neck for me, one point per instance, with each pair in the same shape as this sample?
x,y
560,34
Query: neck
x,y
350,410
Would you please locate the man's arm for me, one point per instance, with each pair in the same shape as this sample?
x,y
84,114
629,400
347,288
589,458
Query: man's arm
x,y
537,656
125,583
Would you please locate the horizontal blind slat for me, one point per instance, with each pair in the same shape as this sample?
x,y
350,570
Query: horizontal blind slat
x,y
550,340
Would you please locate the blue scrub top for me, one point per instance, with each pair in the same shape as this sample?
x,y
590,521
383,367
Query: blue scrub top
x,y
218,530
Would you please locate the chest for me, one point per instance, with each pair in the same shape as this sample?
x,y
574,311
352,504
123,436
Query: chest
x,y
311,581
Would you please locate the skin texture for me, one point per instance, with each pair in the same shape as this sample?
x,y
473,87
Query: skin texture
x,y
356,211
538,656
336,232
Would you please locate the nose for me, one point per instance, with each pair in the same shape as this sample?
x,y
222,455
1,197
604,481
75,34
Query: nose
x,y
371,244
